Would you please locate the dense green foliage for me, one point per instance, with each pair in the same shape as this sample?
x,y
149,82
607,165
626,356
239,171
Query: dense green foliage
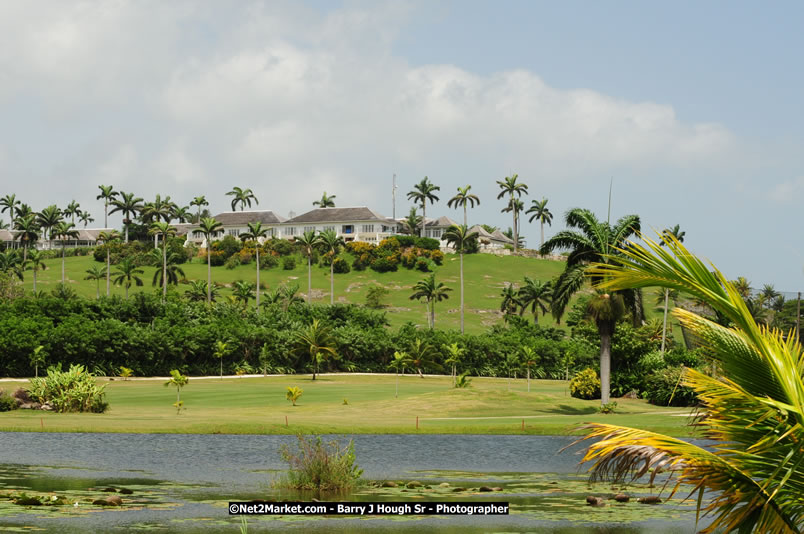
x,y
320,466
585,385
73,390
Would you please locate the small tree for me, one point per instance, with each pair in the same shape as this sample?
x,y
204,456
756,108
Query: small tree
x,y
454,356
221,350
293,394
400,362
528,361
126,373
316,341
37,358
374,296
179,380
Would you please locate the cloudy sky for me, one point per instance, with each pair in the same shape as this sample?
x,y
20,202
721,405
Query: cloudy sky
x,y
694,110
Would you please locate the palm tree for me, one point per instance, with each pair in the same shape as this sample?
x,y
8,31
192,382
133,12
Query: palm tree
x,y
597,242
182,214
332,242
422,192
179,380
460,237
97,273
27,232
165,230
107,237
317,342
539,210
126,274
47,219
220,350
10,262
209,227
36,261
401,362
326,201
528,361
172,269
510,301
756,404
85,218
243,290
430,292
516,206
108,195
158,210
423,355
537,295
510,187
72,209
462,199
198,291
199,201
129,206
242,197
9,203
668,235
254,233
769,293
743,286
454,355
63,231
410,225
24,210
308,240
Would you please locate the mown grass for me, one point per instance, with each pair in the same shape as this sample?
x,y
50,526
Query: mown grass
x,y
258,406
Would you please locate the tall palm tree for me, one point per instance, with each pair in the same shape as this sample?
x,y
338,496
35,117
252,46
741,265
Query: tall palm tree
x,y
332,242
255,233
72,209
47,219
769,293
755,405
510,301
743,286
129,206
165,230
85,218
107,194
158,210
173,270
308,240
463,198
9,203
430,292
36,262
199,201
182,214
510,187
460,237
27,232
327,201
209,227
127,274
242,197
107,237
539,210
516,206
97,273
64,230
598,242
317,342
23,211
668,235
422,192
537,295
410,225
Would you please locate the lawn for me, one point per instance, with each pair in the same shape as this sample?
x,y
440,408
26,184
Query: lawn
x,y
346,403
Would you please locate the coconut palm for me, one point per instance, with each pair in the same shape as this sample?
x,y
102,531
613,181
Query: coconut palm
x,y
165,230
598,242
9,203
460,237
454,354
36,262
47,219
85,218
516,206
108,237
255,233
64,230
769,293
537,295
158,210
410,224
107,194
430,292
242,197
172,268
23,210
182,214
422,192
11,263
72,209
539,210
529,360
743,286
668,235
510,187
753,482
308,241
209,227
198,291
400,362
510,301
27,231
127,273
325,202
315,341
463,198
221,349
332,242
422,355
129,206
97,273
199,201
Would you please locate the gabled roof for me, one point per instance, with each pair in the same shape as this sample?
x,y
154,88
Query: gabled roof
x,y
242,218
441,222
339,215
6,235
500,237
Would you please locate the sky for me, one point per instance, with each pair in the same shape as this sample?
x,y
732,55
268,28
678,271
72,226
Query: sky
x,y
692,111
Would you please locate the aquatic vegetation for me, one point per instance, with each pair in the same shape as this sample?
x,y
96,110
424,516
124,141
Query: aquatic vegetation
x,y
320,466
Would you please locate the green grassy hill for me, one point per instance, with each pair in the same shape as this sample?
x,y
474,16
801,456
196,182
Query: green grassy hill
x,y
485,276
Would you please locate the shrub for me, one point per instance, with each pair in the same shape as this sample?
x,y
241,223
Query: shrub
x,y
463,381
609,407
406,240
585,385
428,243
282,247
232,262
293,394
374,296
358,248
289,263
319,466
361,262
74,390
269,261
665,389
437,256
340,266
245,256
216,258
7,403
383,265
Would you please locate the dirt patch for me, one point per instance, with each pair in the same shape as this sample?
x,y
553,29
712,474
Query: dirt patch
x,y
354,286
397,309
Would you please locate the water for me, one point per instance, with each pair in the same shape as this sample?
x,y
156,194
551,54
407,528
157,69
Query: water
x,y
182,481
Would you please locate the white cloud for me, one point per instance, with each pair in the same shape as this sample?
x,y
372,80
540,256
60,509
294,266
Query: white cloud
x,y
788,192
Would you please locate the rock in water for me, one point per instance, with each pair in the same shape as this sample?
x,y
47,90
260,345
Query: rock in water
x,y
649,500
622,497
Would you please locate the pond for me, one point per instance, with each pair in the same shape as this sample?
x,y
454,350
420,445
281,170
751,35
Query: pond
x,y
183,482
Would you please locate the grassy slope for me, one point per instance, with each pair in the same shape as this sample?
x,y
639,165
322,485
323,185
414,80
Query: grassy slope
x,y
258,405
485,276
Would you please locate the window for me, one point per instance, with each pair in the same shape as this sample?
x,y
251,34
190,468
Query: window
x,y
367,228
434,233
290,231
347,229
329,228
271,232
234,232
309,229
197,234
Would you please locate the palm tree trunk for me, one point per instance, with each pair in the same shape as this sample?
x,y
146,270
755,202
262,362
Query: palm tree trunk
x,y
97,289
464,214
106,214
432,315
461,253
309,281
25,252
258,274
605,328
164,267
424,218
34,280
542,225
62,263
108,267
529,379
315,366
209,275
664,324
126,233
332,280
128,284
221,366
396,394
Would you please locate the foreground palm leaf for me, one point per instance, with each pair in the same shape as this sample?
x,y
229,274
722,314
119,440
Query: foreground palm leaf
x,y
754,411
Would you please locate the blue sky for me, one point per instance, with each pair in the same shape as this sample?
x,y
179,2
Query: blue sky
x,y
693,109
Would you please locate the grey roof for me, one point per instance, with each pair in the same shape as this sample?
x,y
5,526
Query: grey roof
x,y
242,218
500,237
442,222
337,215
6,235
480,231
